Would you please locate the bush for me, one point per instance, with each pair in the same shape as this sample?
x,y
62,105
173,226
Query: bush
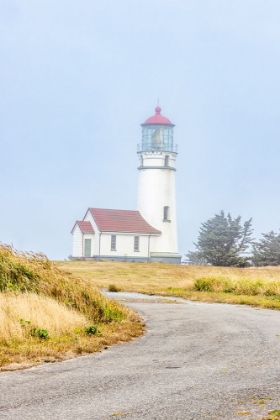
x,y
113,288
239,286
39,332
92,330
204,284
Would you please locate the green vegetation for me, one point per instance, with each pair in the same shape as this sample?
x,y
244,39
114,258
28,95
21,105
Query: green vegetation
x,y
223,241
244,286
251,285
29,272
267,250
92,329
48,314
113,288
273,415
39,332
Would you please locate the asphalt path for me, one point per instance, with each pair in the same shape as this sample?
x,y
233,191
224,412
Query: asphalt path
x,y
195,361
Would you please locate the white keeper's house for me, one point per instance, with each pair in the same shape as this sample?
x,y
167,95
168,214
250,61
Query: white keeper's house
x,y
150,232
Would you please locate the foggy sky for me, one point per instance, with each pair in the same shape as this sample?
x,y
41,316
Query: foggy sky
x,y
79,77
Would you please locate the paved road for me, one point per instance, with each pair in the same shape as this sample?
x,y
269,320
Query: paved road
x,y
196,361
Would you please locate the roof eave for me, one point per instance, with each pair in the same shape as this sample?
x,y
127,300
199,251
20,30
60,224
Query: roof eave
x,y
157,123
74,226
129,231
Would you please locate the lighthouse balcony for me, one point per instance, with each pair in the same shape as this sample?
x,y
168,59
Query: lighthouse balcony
x,y
159,147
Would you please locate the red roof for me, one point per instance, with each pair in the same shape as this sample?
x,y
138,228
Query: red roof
x,y
158,118
108,220
84,226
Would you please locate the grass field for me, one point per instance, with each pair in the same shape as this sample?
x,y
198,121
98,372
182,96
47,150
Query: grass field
x,y
52,311
47,314
252,286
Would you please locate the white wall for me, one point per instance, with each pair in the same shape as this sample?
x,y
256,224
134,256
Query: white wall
x,y
156,189
88,217
124,242
157,158
124,245
78,242
77,249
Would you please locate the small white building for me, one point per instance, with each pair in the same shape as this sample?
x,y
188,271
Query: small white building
x,y
150,232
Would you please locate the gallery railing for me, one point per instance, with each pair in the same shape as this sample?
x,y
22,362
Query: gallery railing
x,y
158,147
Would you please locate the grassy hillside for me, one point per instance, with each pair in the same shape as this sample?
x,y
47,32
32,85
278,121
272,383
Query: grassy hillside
x,y
253,286
48,314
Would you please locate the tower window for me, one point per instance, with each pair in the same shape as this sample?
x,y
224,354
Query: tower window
x,y
113,242
166,160
141,161
136,243
166,215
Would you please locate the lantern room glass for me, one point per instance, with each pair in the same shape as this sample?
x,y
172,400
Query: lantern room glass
x,y
157,138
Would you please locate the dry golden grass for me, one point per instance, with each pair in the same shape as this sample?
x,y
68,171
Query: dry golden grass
x,y
253,286
273,415
29,272
21,312
45,313
17,354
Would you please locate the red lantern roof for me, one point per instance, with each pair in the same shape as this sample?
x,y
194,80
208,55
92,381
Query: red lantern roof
x,y
158,118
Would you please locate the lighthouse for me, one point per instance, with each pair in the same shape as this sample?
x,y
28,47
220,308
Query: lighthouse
x,y
156,199
150,232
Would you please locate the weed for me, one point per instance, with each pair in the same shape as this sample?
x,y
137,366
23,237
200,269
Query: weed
x,y
24,323
273,415
39,332
275,412
204,284
113,288
92,330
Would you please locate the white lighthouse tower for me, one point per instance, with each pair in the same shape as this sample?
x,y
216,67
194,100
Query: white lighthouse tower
x,y
156,199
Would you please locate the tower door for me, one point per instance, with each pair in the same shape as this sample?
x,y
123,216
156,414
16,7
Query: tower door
x,y
87,247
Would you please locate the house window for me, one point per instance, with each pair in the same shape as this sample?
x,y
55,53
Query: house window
x,y
113,242
87,250
136,243
166,215
166,160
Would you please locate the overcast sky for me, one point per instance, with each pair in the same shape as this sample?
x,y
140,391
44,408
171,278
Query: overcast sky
x,y
79,77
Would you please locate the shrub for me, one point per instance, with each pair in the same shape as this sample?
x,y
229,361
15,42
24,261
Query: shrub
x,y
204,284
39,332
92,330
113,288
239,286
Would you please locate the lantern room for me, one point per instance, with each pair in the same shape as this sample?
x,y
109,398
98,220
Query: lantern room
x,y
157,134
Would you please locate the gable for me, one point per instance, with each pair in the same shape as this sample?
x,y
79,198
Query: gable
x,y
84,226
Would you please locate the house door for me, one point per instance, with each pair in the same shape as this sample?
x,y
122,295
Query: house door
x,y
87,247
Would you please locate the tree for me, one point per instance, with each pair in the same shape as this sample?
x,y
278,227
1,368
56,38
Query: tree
x,y
223,241
194,258
267,250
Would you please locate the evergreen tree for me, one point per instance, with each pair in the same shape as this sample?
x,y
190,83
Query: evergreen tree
x,y
223,241
267,250
195,258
